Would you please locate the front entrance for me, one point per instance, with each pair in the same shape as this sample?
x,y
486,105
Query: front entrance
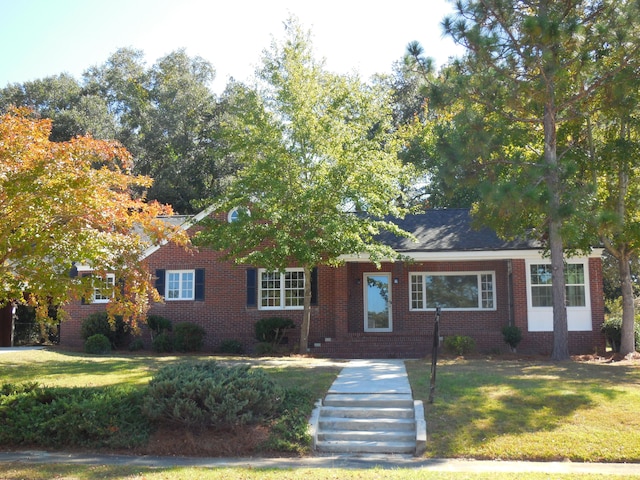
x,y
377,302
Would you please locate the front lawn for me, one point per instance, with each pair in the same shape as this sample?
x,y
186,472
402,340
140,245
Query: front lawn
x,y
501,408
65,400
531,409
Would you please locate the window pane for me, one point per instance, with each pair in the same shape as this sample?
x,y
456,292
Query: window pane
x,y
487,290
270,289
105,289
452,291
173,285
540,274
417,294
294,289
187,285
541,296
575,285
574,274
575,296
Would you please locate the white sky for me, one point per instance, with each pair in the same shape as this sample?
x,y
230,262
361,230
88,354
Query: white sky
x,y
39,38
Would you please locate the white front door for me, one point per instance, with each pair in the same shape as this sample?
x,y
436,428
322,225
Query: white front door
x,y
377,302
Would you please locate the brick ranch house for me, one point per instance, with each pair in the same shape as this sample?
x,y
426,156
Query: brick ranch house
x,y
480,282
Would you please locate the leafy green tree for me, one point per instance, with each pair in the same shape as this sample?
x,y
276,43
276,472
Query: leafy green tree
x,y
435,137
74,110
165,115
529,68
319,171
612,146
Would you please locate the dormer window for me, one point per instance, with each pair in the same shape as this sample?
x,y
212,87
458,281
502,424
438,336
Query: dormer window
x,y
234,214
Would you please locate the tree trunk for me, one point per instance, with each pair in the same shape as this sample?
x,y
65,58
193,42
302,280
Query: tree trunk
x,y
628,339
559,295
560,329
306,314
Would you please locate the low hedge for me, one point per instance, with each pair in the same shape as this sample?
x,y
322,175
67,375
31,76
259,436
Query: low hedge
x,y
207,394
57,417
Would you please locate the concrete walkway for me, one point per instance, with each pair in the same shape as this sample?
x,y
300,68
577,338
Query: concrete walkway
x,y
329,461
372,376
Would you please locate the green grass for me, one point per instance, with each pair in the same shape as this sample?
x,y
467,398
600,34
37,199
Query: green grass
x,y
531,410
483,409
70,410
15,471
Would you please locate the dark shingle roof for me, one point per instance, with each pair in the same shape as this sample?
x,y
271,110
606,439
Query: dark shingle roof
x,y
449,230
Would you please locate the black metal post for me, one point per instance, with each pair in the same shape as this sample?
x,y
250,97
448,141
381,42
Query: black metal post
x,y
434,354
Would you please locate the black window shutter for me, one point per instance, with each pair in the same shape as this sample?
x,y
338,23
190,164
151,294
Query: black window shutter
x,y
199,293
314,286
160,279
252,287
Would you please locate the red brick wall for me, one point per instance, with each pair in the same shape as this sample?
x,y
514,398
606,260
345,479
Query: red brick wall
x,y
484,326
339,314
224,313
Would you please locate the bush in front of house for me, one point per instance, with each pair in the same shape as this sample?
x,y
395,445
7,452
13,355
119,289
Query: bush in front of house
x,y
207,394
512,336
97,344
136,345
264,348
188,337
233,347
162,343
612,330
459,344
272,329
56,417
98,322
158,324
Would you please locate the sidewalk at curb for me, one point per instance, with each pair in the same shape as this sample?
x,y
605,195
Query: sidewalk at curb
x,y
328,461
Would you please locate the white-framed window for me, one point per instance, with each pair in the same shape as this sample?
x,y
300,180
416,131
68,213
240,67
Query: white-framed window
x,y
281,291
103,288
540,280
452,290
234,214
539,301
180,285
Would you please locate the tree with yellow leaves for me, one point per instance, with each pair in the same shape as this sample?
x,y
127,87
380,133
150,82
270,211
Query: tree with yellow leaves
x,y
69,203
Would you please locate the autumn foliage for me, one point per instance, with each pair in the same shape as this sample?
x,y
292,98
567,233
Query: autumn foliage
x,y
73,203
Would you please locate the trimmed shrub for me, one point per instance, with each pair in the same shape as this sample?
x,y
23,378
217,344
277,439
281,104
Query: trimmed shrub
x,y
290,428
97,344
612,330
98,322
272,330
264,348
136,345
162,343
207,394
512,336
158,324
230,346
188,337
459,344
56,417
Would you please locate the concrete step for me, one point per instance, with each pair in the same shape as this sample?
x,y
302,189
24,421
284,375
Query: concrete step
x,y
327,424
359,412
367,436
369,400
365,446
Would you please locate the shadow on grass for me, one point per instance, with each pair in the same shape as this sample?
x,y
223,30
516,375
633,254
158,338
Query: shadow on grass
x,y
479,400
